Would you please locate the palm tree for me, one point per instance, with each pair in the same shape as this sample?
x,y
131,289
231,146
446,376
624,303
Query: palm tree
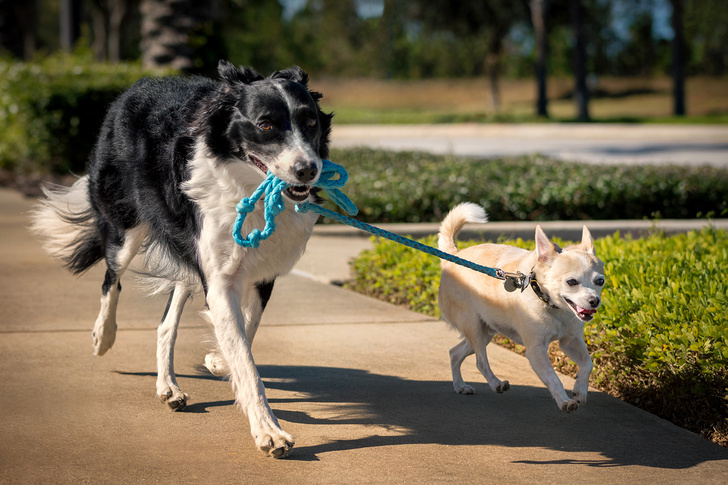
x,y
166,29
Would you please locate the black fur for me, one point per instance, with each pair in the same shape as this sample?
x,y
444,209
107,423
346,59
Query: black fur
x,y
146,142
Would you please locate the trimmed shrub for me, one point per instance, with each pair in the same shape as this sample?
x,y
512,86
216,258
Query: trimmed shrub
x,y
660,340
51,110
420,187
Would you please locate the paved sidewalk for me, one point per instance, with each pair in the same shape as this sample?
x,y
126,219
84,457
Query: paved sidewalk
x,y
581,142
363,386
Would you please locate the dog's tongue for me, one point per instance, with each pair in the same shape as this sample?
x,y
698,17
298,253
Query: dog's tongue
x,y
584,310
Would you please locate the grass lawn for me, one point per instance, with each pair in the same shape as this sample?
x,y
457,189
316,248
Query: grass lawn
x,y
468,100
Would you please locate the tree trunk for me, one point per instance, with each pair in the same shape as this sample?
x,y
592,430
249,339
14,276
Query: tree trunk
x,y
70,19
539,12
166,28
98,15
581,90
678,59
117,10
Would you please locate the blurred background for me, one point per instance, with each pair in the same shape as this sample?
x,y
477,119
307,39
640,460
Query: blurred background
x,y
418,61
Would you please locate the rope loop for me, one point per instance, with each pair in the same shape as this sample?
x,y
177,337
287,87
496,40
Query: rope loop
x,y
332,177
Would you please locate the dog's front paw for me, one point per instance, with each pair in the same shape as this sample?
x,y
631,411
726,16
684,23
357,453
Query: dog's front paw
x,y
275,444
579,398
463,389
569,406
176,400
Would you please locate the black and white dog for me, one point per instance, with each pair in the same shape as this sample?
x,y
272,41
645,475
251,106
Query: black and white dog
x,y
173,158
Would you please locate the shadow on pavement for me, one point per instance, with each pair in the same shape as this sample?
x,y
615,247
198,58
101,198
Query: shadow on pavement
x,y
430,412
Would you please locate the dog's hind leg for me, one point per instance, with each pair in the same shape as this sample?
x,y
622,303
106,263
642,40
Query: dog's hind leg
x,y
576,350
167,389
120,250
457,356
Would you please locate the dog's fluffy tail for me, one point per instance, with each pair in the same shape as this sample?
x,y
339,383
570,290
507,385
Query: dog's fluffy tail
x,y
454,222
65,222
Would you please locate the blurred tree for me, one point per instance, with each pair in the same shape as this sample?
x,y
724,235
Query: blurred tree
x,y
581,90
70,21
678,59
18,28
475,21
539,19
706,34
108,16
253,34
174,32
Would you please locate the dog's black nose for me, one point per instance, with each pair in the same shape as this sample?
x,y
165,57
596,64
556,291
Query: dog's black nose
x,y
305,171
594,302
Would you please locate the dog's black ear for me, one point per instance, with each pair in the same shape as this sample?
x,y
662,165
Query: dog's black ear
x,y
293,73
233,75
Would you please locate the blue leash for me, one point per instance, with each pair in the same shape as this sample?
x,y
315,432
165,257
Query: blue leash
x,y
306,206
333,177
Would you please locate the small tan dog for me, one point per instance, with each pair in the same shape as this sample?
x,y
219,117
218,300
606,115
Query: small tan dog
x,y
565,292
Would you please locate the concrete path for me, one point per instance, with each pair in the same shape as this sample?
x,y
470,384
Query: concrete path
x,y
363,386
589,143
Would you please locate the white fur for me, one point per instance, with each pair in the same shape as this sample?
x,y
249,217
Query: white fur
x,y
479,307
232,271
50,217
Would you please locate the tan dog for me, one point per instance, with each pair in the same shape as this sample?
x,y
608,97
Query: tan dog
x,y
566,293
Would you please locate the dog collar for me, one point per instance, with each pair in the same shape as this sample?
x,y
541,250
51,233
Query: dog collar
x,y
540,293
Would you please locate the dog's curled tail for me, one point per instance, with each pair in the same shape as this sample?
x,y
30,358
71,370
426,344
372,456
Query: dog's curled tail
x,y
65,222
454,222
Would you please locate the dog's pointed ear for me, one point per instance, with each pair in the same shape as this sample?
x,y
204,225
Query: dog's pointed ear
x,y
544,248
586,241
293,73
233,75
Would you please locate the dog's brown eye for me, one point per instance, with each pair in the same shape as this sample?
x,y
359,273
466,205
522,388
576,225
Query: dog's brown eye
x,y
599,281
312,122
572,282
265,126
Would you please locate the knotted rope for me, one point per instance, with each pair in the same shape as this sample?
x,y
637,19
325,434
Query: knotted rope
x,y
333,177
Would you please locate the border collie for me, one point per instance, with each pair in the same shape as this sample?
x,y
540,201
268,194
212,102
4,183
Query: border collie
x,y
173,158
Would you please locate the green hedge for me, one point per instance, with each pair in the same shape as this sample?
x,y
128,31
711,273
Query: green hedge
x,y
660,339
419,187
51,110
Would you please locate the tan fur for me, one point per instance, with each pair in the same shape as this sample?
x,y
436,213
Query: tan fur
x,y
479,307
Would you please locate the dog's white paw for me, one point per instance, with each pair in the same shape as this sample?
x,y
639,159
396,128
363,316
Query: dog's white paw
x,y
175,399
275,443
502,387
579,398
569,406
103,337
463,389
216,364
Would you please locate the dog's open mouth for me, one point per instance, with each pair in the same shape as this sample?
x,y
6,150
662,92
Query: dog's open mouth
x,y
584,314
297,193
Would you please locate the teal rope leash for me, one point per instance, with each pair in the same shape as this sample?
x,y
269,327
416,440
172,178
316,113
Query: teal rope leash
x,y
306,206
333,177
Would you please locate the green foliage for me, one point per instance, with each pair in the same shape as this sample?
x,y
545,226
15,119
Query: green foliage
x,y
659,340
51,110
420,187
